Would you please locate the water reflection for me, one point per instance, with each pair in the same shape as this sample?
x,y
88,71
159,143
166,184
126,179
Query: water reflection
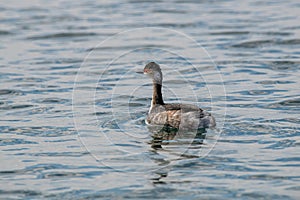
x,y
177,142
170,146
169,135
159,178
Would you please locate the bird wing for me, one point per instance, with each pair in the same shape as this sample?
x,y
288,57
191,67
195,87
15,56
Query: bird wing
x,y
183,107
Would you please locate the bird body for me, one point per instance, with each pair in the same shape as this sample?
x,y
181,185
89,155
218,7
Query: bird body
x,y
181,116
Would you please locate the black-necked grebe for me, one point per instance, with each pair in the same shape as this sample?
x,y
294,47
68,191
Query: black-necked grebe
x,y
180,116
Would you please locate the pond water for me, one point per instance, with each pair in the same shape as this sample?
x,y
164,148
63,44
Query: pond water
x,y
72,107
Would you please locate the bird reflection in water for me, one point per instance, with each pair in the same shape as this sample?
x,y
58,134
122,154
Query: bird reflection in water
x,y
176,143
168,135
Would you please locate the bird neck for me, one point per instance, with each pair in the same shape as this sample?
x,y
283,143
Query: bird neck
x,y
157,95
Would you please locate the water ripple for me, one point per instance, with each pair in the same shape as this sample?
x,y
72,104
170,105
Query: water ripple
x,y
61,35
14,141
293,103
10,92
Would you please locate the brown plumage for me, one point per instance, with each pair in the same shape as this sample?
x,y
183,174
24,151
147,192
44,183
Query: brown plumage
x,y
183,116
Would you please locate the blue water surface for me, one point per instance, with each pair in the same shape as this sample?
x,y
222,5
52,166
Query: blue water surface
x,y
72,108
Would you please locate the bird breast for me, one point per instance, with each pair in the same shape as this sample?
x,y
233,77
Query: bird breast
x,y
171,117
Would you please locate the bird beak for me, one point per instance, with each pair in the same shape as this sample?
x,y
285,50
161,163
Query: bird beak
x,y
139,72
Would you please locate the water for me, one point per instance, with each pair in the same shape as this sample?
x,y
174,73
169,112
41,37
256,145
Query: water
x,y
72,106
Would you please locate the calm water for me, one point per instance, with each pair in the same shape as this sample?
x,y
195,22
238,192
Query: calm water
x,y
72,107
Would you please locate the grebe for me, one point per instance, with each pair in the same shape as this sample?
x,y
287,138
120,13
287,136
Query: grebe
x,y
180,116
